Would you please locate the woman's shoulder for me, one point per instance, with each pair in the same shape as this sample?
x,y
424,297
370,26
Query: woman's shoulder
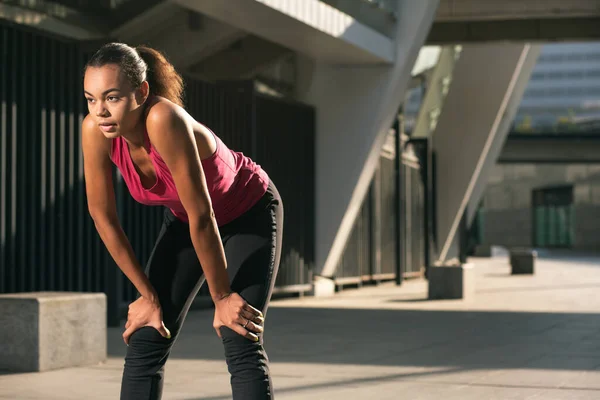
x,y
166,121
162,113
163,116
158,109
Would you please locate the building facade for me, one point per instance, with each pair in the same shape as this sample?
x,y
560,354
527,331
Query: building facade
x,y
564,91
551,204
541,205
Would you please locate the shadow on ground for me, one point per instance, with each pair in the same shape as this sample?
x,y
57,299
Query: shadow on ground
x,y
533,350
431,343
452,339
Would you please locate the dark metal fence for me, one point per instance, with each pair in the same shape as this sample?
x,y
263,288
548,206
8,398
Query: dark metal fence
x,y
357,259
284,142
48,241
228,109
412,220
371,250
388,216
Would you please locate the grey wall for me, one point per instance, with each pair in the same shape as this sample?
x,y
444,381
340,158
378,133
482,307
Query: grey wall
x,y
507,201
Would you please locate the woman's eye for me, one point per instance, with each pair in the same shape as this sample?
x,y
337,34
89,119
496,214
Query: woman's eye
x,y
112,98
89,100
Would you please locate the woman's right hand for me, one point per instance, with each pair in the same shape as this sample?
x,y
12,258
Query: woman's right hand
x,y
235,313
144,312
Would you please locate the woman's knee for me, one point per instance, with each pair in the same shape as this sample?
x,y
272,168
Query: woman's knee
x,y
147,351
244,356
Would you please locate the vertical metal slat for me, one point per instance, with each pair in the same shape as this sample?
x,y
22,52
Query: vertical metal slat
x,y
34,167
13,164
4,101
25,133
43,170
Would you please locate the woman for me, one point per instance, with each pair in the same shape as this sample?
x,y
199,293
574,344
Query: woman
x,y
223,219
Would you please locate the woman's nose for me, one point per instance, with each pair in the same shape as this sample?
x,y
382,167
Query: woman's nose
x,y
101,111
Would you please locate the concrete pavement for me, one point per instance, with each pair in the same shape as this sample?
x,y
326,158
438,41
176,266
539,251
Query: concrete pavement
x,y
521,337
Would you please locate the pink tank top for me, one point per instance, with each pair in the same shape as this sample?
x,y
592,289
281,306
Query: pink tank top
x,y
235,183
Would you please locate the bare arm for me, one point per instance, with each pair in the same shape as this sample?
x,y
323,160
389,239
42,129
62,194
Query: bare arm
x,y
173,137
102,206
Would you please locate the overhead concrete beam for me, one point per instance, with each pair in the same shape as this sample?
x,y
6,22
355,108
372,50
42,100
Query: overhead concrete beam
x,y
568,148
370,14
206,46
148,21
519,30
241,61
310,27
167,26
467,21
73,25
477,10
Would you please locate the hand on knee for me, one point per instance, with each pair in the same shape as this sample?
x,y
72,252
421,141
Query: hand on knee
x,y
235,313
147,352
144,312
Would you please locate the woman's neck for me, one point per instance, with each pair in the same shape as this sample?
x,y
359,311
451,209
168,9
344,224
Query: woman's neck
x,y
136,137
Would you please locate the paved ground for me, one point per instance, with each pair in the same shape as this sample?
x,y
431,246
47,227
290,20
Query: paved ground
x,y
526,337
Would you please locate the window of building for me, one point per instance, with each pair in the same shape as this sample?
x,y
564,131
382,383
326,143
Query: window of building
x,y
553,219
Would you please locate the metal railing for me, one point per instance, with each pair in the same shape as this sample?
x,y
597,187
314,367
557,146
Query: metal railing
x,y
370,253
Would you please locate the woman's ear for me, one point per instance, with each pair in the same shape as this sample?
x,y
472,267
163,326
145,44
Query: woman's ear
x,y
142,93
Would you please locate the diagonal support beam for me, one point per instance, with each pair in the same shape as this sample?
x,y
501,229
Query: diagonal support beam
x,y
488,83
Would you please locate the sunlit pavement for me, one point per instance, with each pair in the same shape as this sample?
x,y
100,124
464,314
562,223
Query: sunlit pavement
x,y
520,337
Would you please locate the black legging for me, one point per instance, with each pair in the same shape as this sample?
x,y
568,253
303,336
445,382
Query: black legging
x,y
252,246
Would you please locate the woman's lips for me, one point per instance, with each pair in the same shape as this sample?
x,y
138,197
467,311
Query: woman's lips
x,y
107,127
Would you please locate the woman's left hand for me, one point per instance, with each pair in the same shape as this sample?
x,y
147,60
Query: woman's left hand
x,y
235,313
144,312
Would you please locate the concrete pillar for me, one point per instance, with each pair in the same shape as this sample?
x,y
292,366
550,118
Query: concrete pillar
x,y
438,83
487,84
506,122
356,106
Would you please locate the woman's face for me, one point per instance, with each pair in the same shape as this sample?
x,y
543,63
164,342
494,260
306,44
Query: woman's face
x,y
112,102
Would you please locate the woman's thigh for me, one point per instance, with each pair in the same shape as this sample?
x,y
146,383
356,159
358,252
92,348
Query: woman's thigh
x,y
175,272
252,247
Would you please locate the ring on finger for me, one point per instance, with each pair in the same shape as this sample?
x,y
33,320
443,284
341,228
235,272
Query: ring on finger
x,y
246,324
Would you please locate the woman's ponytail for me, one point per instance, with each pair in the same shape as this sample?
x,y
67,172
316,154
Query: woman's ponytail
x,y
162,77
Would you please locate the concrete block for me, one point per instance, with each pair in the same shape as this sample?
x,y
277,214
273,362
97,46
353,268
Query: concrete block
x,y
451,282
41,331
486,250
323,286
482,250
522,262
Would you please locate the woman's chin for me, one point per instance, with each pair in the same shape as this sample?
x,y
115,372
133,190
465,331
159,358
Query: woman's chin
x,y
112,134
